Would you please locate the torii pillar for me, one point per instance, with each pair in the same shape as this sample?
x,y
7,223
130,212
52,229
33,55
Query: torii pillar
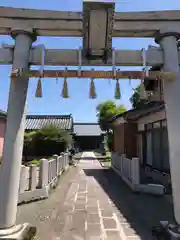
x,y
168,43
14,138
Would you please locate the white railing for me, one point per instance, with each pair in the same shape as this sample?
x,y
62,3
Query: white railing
x,y
127,168
129,171
36,181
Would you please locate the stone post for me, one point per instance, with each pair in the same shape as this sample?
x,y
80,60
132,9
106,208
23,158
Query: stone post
x,y
33,177
14,137
135,171
43,173
168,42
63,161
57,164
24,176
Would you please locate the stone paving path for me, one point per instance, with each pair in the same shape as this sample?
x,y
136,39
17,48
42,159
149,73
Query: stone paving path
x,y
90,213
91,203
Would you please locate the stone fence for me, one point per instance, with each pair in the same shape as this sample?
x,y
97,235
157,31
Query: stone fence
x,y
129,171
37,181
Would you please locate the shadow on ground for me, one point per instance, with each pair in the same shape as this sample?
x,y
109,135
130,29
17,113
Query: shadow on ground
x,y
77,155
88,158
141,211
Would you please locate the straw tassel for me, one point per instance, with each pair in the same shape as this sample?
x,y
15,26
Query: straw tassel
x,y
65,93
92,91
39,89
117,90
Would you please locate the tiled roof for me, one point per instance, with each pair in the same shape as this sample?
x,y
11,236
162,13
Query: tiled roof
x,y
64,122
2,114
151,107
136,113
87,129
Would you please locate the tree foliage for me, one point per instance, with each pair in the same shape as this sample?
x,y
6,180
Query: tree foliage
x,y
135,99
106,110
46,141
52,133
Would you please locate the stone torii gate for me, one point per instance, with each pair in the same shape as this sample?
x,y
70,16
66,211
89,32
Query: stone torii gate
x,y
97,22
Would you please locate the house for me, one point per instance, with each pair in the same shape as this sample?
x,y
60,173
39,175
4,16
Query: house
x,y
35,122
142,132
88,136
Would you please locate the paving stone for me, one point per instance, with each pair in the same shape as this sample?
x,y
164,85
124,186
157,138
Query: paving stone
x,y
93,218
106,213
79,207
79,217
128,230
94,235
92,209
113,235
78,225
81,198
82,193
109,223
62,217
81,202
91,201
58,227
77,234
82,187
94,229
65,237
68,208
89,236
104,206
122,219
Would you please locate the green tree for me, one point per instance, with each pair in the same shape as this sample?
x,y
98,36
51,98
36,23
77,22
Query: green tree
x,y
135,99
52,133
106,110
47,140
121,109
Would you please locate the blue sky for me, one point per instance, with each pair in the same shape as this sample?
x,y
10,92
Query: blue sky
x,y
82,108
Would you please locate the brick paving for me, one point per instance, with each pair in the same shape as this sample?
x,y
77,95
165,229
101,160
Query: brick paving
x,y
94,204
90,214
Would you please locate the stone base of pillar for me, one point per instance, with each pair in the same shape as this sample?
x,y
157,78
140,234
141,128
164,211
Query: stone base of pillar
x,y
166,231
21,232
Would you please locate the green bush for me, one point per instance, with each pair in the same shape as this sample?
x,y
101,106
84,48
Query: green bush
x,y
47,141
35,161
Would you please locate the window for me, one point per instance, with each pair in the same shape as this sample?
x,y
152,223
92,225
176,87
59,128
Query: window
x,y
140,127
157,160
149,126
164,123
149,148
165,149
157,124
156,146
